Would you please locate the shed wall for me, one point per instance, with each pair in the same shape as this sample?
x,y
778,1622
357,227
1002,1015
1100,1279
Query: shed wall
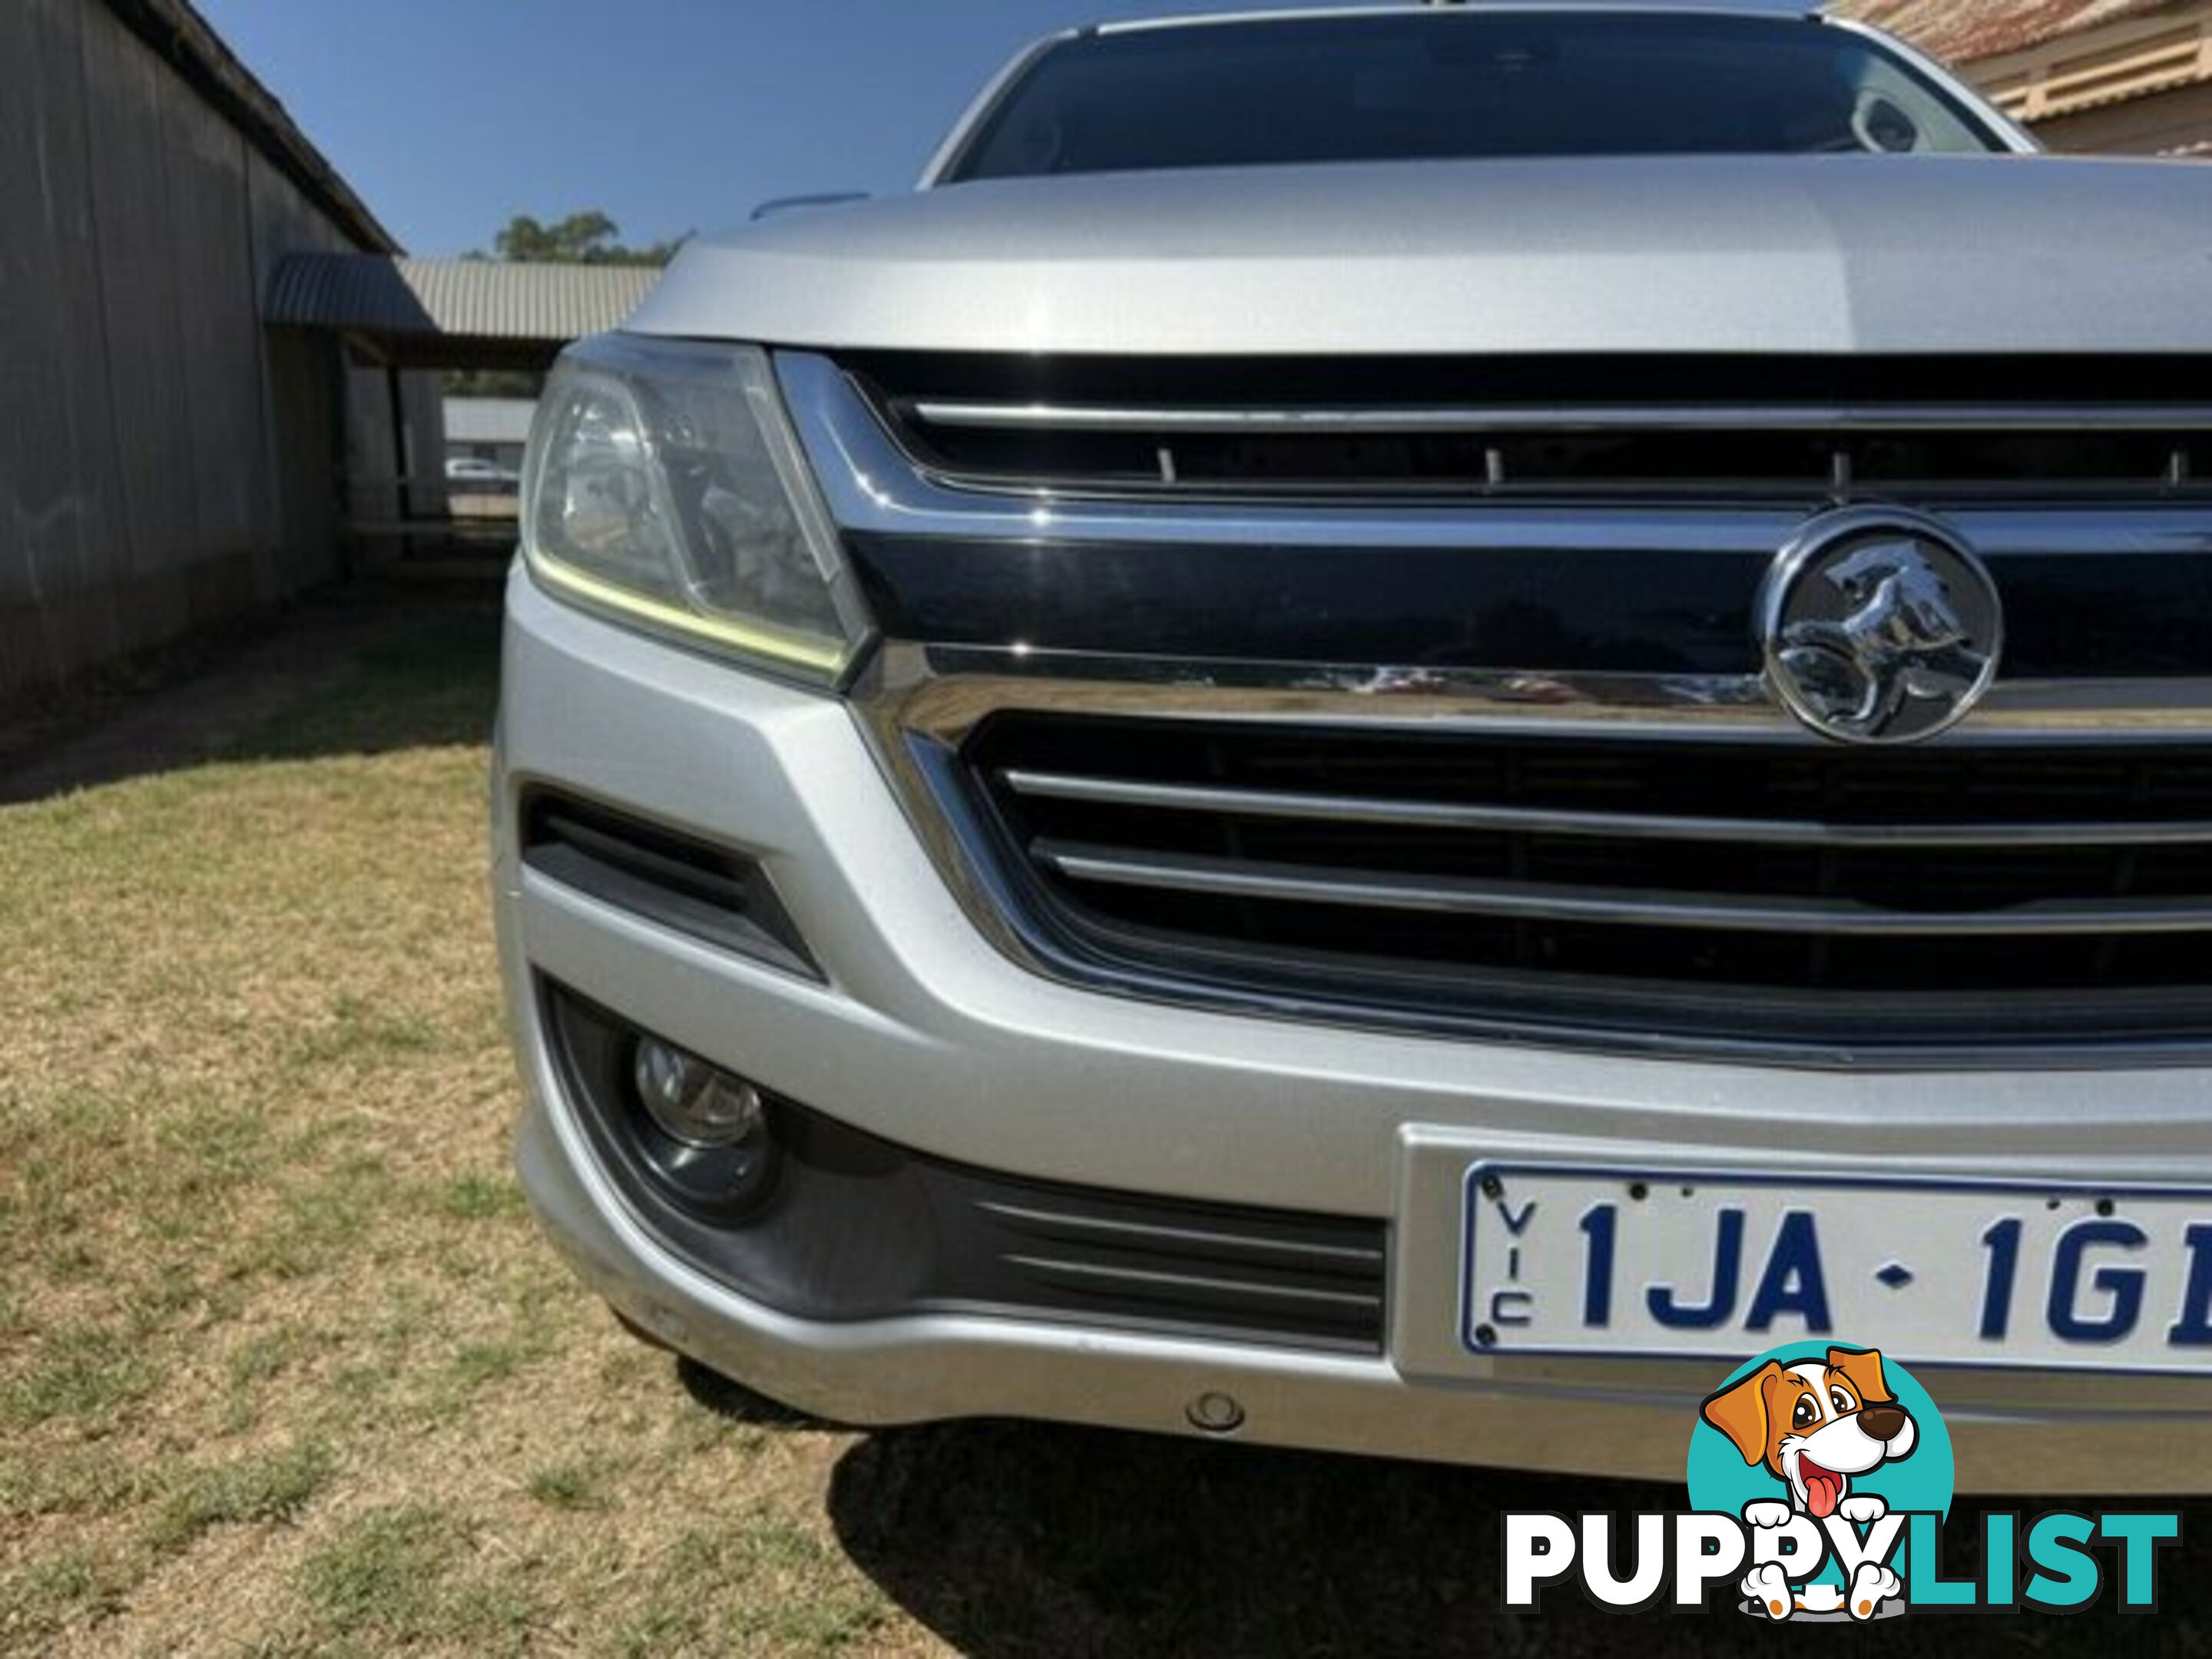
x,y
165,462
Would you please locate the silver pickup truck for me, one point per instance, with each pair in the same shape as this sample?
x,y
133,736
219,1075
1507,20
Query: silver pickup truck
x,y
1390,731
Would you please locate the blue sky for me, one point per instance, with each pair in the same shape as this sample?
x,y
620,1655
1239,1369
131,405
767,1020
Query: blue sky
x,y
449,116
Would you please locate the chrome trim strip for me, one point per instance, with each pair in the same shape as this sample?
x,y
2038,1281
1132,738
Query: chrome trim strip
x,y
1586,418
1535,901
945,691
1628,826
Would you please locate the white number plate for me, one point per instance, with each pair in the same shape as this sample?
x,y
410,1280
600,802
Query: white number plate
x,y
1574,1261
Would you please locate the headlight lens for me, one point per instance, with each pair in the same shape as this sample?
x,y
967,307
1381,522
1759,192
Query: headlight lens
x,y
664,487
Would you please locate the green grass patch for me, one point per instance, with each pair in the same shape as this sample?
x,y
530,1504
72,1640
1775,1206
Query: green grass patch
x,y
72,1586
404,1576
358,1032
578,1483
72,1479
473,1197
264,1358
478,1363
264,1488
431,684
84,1372
385,1573
760,1583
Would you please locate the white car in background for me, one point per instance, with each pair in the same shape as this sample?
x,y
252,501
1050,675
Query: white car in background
x,y
475,471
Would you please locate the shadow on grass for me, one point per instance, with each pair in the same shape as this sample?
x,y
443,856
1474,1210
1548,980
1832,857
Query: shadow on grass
x,y
1013,1539
429,677
371,668
733,1402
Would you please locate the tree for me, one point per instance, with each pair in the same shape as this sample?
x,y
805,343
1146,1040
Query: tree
x,y
588,238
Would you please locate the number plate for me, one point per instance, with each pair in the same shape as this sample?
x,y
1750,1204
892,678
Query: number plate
x,y
1569,1260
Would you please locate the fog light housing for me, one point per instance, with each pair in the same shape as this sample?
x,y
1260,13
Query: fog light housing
x,y
705,1132
694,1102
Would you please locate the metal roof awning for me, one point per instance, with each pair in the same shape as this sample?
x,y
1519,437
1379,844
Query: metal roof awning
x,y
452,313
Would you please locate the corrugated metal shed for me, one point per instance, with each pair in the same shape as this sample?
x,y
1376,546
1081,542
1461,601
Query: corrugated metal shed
x,y
488,419
165,462
1967,30
459,312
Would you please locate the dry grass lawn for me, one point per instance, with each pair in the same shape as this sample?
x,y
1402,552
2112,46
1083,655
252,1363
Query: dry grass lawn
x,y
284,1369
283,1366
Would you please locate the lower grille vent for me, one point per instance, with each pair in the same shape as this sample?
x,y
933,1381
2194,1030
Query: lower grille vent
x,y
1223,1269
691,886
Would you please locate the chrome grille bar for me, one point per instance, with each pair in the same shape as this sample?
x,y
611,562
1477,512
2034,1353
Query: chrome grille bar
x,y
1541,901
1452,815
1590,418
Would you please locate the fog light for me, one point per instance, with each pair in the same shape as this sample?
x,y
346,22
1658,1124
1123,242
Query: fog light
x,y
705,1136
693,1102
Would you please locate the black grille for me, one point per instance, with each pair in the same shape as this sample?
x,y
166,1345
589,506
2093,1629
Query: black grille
x,y
1208,1268
1746,894
1507,460
1961,428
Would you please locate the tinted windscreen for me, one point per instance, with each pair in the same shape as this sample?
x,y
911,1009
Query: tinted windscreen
x,y
1461,85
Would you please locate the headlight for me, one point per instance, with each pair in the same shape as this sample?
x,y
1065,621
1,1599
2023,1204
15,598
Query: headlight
x,y
664,488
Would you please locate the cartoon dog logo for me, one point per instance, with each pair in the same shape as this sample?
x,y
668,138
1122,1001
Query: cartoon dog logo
x,y
1814,1425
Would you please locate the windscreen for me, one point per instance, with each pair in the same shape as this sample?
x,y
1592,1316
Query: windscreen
x,y
1460,85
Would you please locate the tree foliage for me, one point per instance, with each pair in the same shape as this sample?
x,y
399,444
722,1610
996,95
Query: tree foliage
x,y
588,238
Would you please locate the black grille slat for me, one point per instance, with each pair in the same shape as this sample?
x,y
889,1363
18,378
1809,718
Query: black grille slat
x,y
1193,1243
1926,909
1302,1278
1385,428
1760,893
1513,814
1198,1289
1743,462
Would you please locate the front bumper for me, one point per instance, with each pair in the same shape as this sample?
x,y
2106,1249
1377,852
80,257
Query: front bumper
x,y
924,1034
